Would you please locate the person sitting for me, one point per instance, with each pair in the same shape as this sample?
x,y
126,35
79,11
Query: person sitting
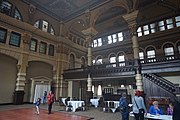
x,y
170,109
154,109
68,106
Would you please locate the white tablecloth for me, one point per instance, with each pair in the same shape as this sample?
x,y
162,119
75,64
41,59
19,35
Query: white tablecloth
x,y
75,104
157,117
116,103
94,102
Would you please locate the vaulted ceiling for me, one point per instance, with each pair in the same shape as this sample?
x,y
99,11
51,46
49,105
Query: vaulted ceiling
x,y
68,9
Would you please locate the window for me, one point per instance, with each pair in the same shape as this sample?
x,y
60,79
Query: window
x,y
95,43
169,23
121,59
151,54
146,29
17,14
93,61
112,59
33,45
52,31
114,38
161,26
109,39
51,50
99,42
141,56
169,51
5,7
139,31
44,26
37,24
3,34
15,39
153,27
42,47
99,61
177,19
120,36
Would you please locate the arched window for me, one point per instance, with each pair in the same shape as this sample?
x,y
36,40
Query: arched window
x,y
151,54
99,60
112,59
17,14
141,56
110,39
83,64
6,7
168,51
9,9
44,26
72,62
121,59
99,90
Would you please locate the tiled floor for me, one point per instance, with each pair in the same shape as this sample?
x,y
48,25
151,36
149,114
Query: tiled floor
x,y
30,114
27,112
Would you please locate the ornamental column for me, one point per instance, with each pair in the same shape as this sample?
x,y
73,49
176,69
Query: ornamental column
x,y
132,24
89,33
22,65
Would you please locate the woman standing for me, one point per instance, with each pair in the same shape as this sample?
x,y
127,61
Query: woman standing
x,y
50,101
139,108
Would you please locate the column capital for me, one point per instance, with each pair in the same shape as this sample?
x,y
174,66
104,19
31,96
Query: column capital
x,y
89,32
131,17
131,20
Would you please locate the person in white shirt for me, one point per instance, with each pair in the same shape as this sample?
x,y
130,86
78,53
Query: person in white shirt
x,y
139,108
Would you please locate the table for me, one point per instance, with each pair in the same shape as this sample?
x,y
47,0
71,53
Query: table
x,y
157,117
116,105
76,104
94,102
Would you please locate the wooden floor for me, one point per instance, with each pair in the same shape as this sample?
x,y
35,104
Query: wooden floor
x,y
30,114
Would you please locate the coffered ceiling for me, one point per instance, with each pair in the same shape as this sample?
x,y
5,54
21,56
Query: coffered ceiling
x,y
68,9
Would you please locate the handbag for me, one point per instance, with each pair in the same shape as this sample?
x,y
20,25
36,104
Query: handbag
x,y
140,110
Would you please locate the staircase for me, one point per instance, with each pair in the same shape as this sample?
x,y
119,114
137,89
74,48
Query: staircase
x,y
155,85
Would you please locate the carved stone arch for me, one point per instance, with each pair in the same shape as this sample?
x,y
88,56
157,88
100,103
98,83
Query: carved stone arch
x,y
121,53
150,46
83,61
112,54
122,4
142,49
42,60
170,43
72,53
12,54
72,60
98,57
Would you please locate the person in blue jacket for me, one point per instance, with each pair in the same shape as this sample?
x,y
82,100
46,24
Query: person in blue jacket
x,y
37,104
123,104
155,109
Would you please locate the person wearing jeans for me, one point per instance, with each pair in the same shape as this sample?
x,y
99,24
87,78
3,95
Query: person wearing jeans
x,y
139,108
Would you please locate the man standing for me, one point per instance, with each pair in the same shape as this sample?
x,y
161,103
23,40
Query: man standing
x,y
50,101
